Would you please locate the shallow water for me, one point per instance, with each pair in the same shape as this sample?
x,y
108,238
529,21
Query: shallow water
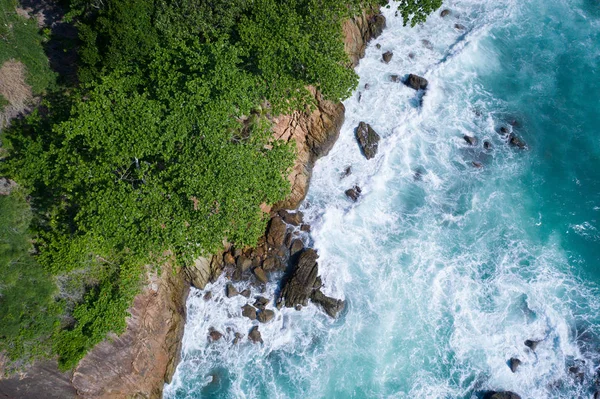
x,y
447,268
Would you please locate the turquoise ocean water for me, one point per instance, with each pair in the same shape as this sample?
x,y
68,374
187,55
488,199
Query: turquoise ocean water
x,y
447,268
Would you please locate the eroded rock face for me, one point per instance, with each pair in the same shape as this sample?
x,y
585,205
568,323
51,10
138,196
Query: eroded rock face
x,y
359,30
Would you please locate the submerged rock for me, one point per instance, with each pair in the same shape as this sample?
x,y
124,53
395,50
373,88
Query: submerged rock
x,y
471,140
416,82
254,335
427,44
387,56
238,338
532,344
501,395
368,139
460,27
487,145
347,172
516,141
353,193
445,13
477,165
514,364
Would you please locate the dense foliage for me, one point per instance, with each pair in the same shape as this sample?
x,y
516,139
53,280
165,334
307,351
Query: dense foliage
x,y
417,11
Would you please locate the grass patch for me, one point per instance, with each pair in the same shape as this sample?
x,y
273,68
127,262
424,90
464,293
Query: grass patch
x,y
3,102
20,39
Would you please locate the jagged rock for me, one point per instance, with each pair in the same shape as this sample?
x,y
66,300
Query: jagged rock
x,y
214,335
261,275
266,316
201,271
531,344
516,142
487,145
243,263
376,26
299,286
276,232
368,139
503,130
228,258
254,335
207,296
294,219
347,172
416,82
245,293
470,139
305,228
387,56
514,364
427,44
271,263
230,290
501,395
331,306
297,246
460,27
353,193
261,302
445,13
249,312
395,78
6,186
378,46
238,338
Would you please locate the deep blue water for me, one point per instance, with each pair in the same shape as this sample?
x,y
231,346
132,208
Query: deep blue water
x,y
447,268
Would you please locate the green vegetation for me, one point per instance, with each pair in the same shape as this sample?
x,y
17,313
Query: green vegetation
x,y
164,146
3,102
417,11
20,39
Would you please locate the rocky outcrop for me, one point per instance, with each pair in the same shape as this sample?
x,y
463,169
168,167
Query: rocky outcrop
x,y
359,30
416,82
501,395
514,364
368,139
353,193
387,56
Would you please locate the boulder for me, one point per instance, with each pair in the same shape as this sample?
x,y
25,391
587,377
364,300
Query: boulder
x,y
214,335
276,232
261,302
376,26
261,275
230,290
514,364
487,145
207,296
294,219
387,56
427,44
228,258
353,193
271,263
245,293
249,312
299,286
331,306
297,246
416,82
368,139
254,336
305,228
243,263
266,315
531,344
503,130
501,395
597,395
378,46
516,142
395,78
347,172
445,13
460,27
238,338
471,140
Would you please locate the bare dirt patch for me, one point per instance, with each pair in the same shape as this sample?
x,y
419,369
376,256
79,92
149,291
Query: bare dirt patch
x,y
14,89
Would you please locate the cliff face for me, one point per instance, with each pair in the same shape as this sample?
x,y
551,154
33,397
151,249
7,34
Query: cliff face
x,y
139,362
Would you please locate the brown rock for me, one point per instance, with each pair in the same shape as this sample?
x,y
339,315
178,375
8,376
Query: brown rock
x,y
297,246
347,172
228,258
243,263
254,335
359,30
395,78
6,186
516,142
261,275
532,344
261,302
416,82
249,312
378,46
445,13
368,139
271,263
214,335
230,290
514,364
238,338
266,316
245,293
276,232
353,193
300,285
294,219
207,296
305,228
470,140
387,56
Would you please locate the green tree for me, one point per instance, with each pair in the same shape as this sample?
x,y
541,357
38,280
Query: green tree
x,y
417,11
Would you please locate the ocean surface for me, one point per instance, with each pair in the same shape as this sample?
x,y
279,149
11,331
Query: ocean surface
x,y
447,267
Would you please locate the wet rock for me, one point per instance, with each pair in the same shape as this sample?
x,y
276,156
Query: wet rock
x,y
347,172
230,290
266,316
387,56
353,193
367,86
514,364
238,338
460,27
249,312
376,26
276,232
305,228
228,258
287,242
445,13
368,139
501,395
243,263
331,306
411,55
477,165
516,142
395,78
487,145
597,395
427,44
416,82
470,139
254,335
577,373
271,263
532,344
214,335
261,302
503,130
261,275
245,293
299,286
207,296
297,246
294,219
